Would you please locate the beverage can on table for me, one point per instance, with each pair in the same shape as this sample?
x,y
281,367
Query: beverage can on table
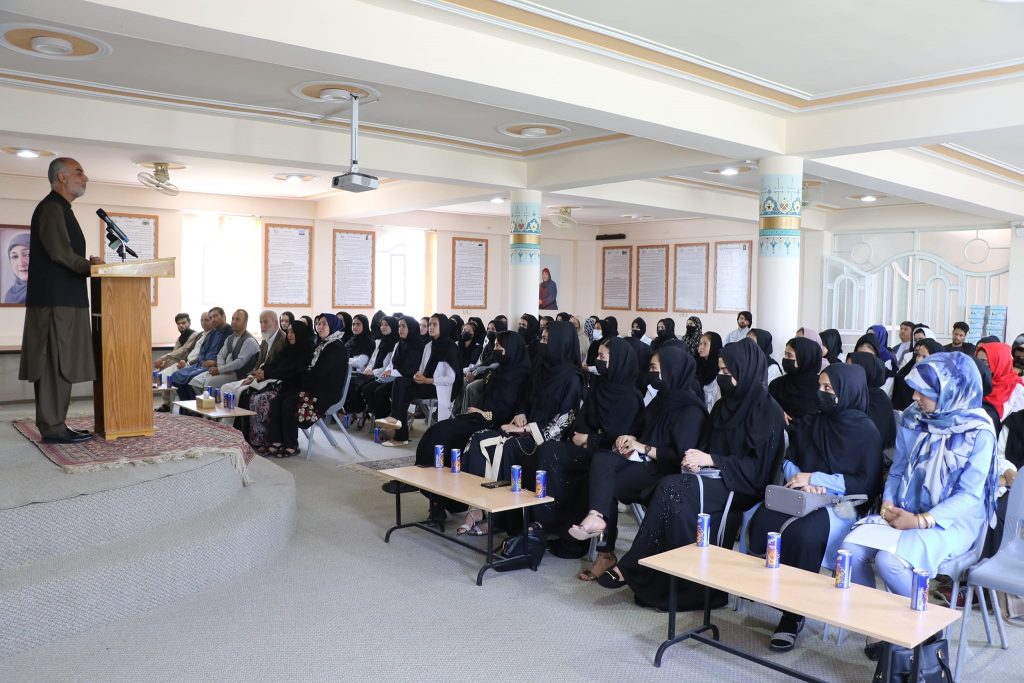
x,y
215,392
517,478
771,556
844,563
542,483
156,377
168,379
919,590
229,400
438,456
376,434
456,460
703,530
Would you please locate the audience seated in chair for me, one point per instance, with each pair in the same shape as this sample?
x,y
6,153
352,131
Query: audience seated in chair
x,y
360,390
207,356
182,356
272,342
238,355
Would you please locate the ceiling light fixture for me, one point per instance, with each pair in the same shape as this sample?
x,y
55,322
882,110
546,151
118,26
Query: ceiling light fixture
x,y
730,171
49,45
497,200
865,197
335,95
533,130
869,198
26,153
295,178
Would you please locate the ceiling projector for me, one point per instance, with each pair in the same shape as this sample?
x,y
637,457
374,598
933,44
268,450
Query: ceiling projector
x,y
355,182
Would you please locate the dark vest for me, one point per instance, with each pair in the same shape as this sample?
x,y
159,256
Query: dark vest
x,y
49,283
234,345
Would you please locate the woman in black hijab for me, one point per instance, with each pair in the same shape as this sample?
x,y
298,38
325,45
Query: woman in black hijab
x,y
902,393
363,384
547,413
880,408
643,352
741,448
346,325
797,390
440,365
470,344
638,330
691,338
763,339
833,341
603,330
839,452
502,393
405,362
529,327
455,327
360,347
708,352
626,469
666,333
609,410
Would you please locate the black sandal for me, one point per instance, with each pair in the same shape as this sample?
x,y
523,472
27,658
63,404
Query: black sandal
x,y
612,578
784,638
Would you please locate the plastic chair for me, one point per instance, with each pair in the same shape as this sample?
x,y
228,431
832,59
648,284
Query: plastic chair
x,y
1002,572
428,406
332,414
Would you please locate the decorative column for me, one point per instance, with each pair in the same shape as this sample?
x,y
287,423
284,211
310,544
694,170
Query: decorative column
x,y
524,255
778,268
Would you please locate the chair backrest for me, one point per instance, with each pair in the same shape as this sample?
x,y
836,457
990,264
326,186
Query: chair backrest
x,y
344,394
1013,526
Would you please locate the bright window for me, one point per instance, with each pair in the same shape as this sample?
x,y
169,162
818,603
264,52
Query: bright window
x,y
221,264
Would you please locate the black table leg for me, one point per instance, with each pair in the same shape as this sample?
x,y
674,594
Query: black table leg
x,y
398,511
915,661
526,537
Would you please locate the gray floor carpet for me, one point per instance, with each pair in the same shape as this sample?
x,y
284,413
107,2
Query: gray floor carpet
x,y
341,605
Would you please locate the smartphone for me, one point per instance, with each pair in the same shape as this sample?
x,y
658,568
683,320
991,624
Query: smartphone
x,y
495,484
423,466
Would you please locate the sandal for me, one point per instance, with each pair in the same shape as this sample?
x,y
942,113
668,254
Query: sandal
x,y
585,532
589,575
273,449
388,423
473,526
391,443
784,638
288,452
612,578
360,422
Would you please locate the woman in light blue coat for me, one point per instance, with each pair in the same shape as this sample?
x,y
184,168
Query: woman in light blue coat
x,y
941,489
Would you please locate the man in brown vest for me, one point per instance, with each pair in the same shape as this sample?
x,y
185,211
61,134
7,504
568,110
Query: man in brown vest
x,y
56,346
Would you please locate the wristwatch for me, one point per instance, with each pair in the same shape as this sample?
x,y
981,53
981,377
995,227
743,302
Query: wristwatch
x,y
646,453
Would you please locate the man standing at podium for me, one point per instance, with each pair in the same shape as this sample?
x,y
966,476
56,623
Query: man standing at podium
x,y
56,346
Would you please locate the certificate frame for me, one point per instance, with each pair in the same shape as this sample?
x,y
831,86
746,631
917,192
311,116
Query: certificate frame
x,y
629,278
487,256
266,265
334,268
706,246
750,264
154,282
664,250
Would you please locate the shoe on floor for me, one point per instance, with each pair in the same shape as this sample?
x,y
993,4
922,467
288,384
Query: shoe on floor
x,y
784,638
393,487
67,436
163,409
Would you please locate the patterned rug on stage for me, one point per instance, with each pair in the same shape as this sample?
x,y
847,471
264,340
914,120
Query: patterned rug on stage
x,y
177,437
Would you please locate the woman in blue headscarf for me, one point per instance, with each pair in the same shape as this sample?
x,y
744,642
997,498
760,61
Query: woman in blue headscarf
x,y
941,489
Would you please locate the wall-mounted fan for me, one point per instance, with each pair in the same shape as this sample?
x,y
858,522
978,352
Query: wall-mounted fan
x,y
563,219
159,179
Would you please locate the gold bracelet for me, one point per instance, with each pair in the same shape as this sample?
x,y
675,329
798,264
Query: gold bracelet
x,y
922,523
929,519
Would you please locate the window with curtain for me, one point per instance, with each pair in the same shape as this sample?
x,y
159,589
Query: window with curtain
x,y
221,264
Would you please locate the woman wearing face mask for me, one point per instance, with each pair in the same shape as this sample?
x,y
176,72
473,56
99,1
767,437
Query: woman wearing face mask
x,y
1007,394
500,396
942,485
609,411
838,452
708,352
694,331
626,468
529,328
476,374
666,333
638,330
643,353
763,339
603,330
740,449
469,346
797,390
547,412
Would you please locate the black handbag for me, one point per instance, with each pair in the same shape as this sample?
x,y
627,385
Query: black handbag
x,y
513,547
895,663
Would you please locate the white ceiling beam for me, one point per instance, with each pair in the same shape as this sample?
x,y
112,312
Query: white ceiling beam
x,y
631,159
395,198
126,124
664,195
914,176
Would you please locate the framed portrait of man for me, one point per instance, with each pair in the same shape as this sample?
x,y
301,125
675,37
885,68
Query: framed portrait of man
x,y
14,240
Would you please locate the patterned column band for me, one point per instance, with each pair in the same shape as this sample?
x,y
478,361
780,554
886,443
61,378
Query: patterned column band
x,y
779,223
524,241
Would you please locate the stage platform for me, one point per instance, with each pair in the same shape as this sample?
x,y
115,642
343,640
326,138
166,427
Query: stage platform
x,y
82,549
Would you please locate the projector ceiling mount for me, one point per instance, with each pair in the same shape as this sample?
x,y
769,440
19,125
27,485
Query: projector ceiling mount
x,y
354,181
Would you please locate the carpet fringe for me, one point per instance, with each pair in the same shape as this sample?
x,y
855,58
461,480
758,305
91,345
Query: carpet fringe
x,y
194,453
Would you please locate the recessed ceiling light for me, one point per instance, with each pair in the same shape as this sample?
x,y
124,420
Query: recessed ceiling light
x,y
497,200
533,130
335,91
732,170
49,45
335,94
729,170
869,198
295,178
865,197
28,152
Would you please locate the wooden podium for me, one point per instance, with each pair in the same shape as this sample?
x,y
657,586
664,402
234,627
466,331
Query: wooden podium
x,y
123,346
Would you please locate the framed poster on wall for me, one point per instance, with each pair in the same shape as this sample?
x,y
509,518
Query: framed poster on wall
x,y
287,265
143,233
732,276
353,268
616,278
469,273
14,240
691,278
652,277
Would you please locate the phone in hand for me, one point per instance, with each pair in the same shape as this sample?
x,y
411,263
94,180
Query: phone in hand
x,y
496,484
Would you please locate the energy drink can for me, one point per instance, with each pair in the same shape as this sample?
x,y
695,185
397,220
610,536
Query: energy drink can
x,y
226,398
376,434
168,381
345,421
230,398
517,478
774,550
919,590
542,483
215,392
438,456
156,377
844,561
703,530
456,461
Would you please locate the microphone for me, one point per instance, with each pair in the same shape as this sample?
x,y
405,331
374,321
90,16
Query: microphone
x,y
116,238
